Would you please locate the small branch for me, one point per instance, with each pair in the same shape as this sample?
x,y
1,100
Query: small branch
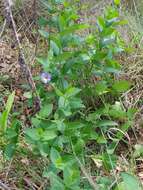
x,y
89,178
4,186
93,184
34,6
22,60
30,184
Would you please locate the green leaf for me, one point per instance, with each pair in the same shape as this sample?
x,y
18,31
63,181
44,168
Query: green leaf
x,y
71,176
124,128
109,161
49,135
117,111
101,88
54,47
9,150
74,28
59,1
62,23
111,21
58,92
63,102
76,103
121,86
56,158
4,116
72,91
106,123
73,125
43,60
138,150
10,133
100,23
44,33
131,113
79,146
117,2
34,134
60,125
92,117
27,95
55,182
43,148
121,186
101,139
67,112
10,101
108,34
42,21
46,110
35,122
107,40
130,182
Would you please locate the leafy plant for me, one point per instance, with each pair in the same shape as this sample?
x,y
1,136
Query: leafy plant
x,y
9,131
79,69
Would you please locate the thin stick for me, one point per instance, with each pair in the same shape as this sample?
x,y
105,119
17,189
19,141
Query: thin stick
x,y
4,24
89,178
34,9
4,186
29,183
8,169
22,60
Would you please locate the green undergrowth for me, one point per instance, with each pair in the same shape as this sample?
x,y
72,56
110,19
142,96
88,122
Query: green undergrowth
x,y
82,120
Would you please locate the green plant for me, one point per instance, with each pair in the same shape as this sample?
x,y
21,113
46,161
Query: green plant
x,y
77,66
129,182
9,131
5,114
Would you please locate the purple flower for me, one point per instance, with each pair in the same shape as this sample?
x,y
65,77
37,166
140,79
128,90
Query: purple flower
x,y
45,77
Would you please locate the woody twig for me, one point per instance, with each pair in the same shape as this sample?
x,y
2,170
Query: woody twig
x,y
22,61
